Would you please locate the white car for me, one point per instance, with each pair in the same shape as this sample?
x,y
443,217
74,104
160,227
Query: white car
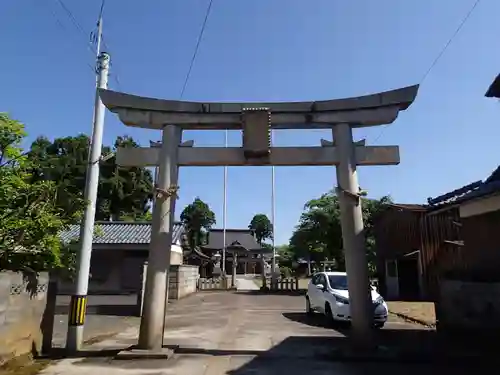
x,y
327,293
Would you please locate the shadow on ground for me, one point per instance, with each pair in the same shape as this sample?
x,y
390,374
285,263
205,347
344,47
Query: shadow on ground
x,y
322,355
113,310
61,353
115,305
407,343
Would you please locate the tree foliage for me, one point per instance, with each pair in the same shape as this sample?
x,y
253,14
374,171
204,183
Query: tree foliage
x,y
318,235
262,227
124,193
30,217
197,218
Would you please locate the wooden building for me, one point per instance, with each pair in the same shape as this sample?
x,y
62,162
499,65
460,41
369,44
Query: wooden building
x,y
398,240
494,89
456,235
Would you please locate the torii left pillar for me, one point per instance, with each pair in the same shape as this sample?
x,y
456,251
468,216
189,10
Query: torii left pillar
x,y
153,316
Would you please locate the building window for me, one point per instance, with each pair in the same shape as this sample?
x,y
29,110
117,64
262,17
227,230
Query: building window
x,y
392,268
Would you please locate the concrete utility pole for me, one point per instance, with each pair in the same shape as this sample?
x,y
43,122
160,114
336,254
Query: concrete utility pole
x,y
153,317
352,234
76,318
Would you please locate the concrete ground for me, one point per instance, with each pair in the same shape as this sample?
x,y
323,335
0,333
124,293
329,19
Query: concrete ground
x,y
106,315
241,333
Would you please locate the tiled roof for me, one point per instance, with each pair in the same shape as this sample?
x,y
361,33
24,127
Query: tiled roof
x,y
494,89
475,190
410,207
121,232
239,237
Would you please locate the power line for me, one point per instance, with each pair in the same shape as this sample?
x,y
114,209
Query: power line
x,y
438,57
62,27
198,42
75,23
93,34
441,53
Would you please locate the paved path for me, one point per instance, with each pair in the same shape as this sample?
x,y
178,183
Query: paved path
x,y
246,283
97,327
242,334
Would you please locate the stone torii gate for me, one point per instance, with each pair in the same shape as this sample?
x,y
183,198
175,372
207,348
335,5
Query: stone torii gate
x,y
256,121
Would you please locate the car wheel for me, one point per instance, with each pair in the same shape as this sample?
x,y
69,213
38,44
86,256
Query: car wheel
x,y
309,310
379,325
329,314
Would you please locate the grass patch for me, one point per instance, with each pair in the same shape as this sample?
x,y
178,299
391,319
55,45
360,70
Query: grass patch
x,y
416,312
23,365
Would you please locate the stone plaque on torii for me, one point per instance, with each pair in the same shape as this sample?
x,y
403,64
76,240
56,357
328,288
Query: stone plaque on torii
x,y
256,121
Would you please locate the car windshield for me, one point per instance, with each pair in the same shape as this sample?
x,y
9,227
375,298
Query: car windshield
x,y
338,282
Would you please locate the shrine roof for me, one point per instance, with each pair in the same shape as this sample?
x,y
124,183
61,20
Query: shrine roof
x,y
242,239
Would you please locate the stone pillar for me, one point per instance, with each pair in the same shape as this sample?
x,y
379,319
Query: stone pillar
x,y
235,265
353,235
263,271
153,317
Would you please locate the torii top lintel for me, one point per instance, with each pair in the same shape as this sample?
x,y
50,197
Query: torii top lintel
x,y
368,110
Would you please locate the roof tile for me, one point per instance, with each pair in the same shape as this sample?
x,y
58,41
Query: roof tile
x,y
121,232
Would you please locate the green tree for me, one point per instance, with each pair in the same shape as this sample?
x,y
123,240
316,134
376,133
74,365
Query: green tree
x,y
319,235
197,219
30,218
124,193
262,227
285,256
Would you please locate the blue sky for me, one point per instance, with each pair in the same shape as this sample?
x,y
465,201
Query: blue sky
x,y
279,50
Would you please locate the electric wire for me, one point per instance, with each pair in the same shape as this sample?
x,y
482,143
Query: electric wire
x,y
440,54
66,31
93,36
197,47
75,22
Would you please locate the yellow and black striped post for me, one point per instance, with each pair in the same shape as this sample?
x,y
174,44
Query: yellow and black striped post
x,y
77,309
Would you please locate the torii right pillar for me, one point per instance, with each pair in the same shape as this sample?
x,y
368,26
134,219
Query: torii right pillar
x,y
353,237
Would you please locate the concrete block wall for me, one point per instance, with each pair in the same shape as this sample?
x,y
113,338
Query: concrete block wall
x,y
176,255
22,306
182,281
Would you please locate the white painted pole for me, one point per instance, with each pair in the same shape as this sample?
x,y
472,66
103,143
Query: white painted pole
x,y
224,213
76,318
273,217
153,317
353,236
